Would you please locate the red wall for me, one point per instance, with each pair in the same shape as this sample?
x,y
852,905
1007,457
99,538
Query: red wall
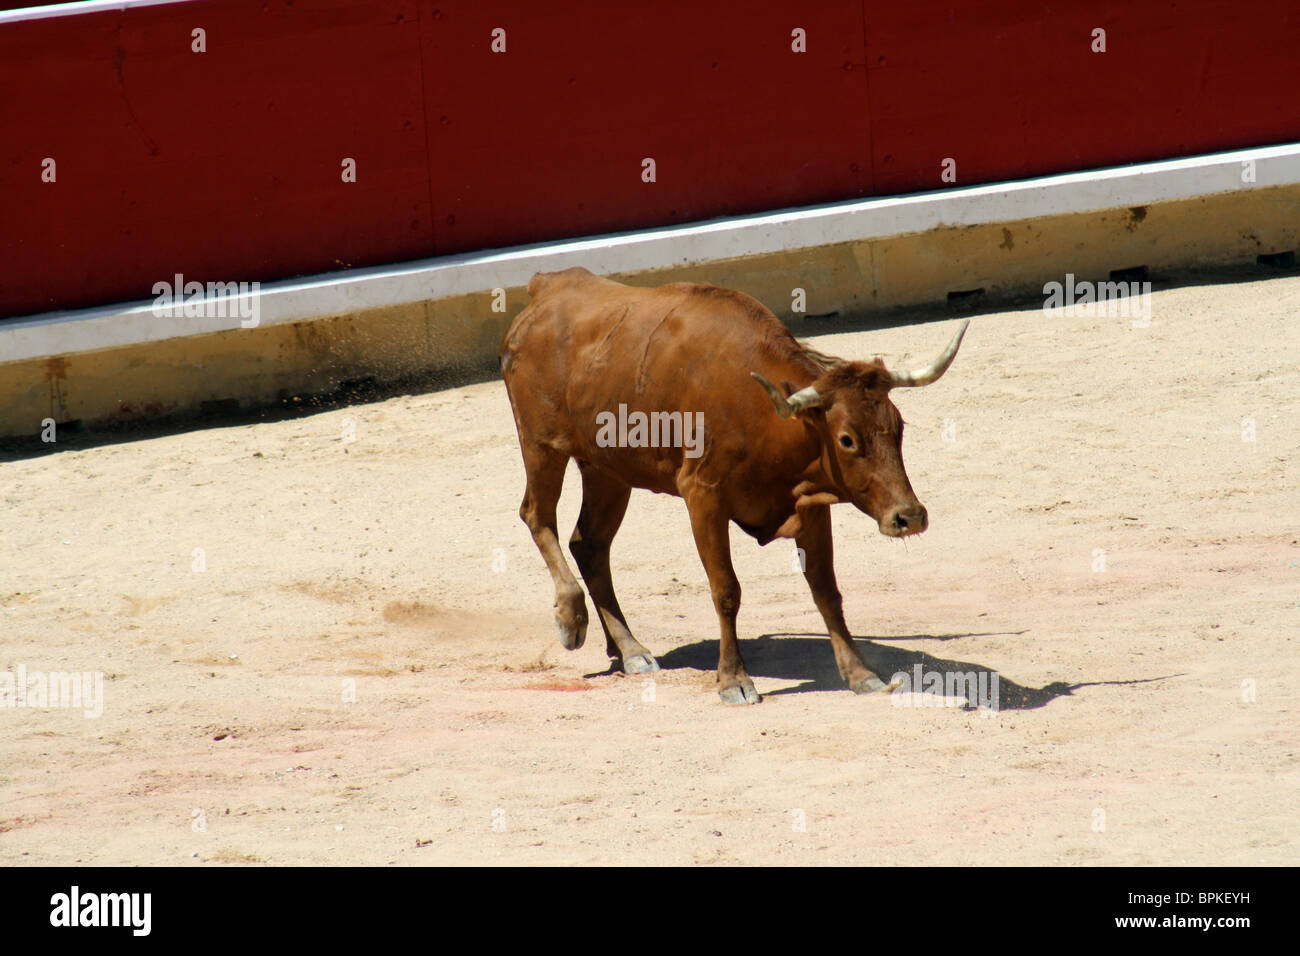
x,y
225,165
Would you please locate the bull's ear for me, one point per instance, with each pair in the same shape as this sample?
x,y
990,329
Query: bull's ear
x,y
801,400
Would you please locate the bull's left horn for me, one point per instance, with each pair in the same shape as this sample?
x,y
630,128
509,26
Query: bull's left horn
x,y
796,403
924,376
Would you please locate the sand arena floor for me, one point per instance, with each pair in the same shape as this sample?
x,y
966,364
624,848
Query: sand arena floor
x,y
366,671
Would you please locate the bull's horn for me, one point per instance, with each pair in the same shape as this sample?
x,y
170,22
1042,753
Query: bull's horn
x,y
803,399
924,376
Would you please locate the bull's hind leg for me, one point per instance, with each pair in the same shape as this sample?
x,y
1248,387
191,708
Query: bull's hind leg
x,y
545,469
604,502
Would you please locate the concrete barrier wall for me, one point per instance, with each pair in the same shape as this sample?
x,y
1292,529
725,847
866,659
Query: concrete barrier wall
x,y
225,163
881,269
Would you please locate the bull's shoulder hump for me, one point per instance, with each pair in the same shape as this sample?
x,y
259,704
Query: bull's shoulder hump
x,y
544,282
742,314
729,298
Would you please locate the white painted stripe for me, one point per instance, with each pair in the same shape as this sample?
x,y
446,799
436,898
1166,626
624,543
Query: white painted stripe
x,y
70,9
60,333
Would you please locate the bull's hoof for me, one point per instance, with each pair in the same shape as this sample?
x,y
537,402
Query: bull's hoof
x,y
740,693
572,636
870,686
640,664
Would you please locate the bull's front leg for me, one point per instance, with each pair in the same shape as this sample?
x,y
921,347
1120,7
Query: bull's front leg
x,y
814,539
712,539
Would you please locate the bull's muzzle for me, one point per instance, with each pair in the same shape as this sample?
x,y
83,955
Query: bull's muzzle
x,y
903,520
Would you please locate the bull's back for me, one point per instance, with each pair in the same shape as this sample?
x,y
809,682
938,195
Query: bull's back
x,y
587,347
581,325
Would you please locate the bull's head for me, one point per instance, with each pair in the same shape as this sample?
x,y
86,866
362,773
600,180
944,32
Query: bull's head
x,y
862,433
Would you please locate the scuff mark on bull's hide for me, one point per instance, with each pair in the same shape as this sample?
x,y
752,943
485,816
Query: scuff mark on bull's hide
x,y
600,357
645,355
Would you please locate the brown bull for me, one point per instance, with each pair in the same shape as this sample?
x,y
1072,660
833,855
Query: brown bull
x,y
660,389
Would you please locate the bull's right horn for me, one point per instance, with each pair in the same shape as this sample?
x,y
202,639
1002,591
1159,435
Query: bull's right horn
x,y
803,399
924,376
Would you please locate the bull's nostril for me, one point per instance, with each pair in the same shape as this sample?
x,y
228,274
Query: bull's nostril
x,y
900,522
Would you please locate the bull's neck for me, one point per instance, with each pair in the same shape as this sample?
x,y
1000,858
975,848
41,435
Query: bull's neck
x,y
822,476
818,483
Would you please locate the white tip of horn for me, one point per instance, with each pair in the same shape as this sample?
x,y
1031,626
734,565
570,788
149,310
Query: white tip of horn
x,y
931,372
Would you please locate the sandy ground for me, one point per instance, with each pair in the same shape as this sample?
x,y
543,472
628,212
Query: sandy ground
x,y
1148,711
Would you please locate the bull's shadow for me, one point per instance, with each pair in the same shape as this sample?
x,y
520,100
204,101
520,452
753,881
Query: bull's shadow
x,y
808,658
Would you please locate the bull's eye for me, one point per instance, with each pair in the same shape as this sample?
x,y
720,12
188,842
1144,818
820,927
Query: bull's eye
x,y
847,442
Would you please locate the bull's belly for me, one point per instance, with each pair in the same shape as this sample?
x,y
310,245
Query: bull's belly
x,y
763,526
760,519
648,474
646,450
